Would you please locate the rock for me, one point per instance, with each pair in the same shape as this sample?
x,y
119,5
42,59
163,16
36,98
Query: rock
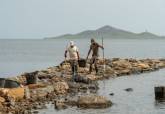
x,y
83,79
36,112
111,94
61,87
109,70
27,92
65,66
14,93
143,66
91,77
121,64
59,105
34,86
93,101
82,70
161,65
128,89
2,100
41,92
123,72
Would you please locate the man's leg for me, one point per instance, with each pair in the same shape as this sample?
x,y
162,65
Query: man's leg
x,y
91,62
96,68
95,63
75,69
72,68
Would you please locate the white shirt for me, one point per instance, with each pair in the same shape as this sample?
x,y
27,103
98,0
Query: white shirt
x,y
73,52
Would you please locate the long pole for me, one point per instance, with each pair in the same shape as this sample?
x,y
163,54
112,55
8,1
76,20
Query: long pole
x,y
103,63
103,53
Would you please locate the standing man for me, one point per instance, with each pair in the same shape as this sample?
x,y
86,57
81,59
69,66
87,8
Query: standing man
x,y
74,57
94,47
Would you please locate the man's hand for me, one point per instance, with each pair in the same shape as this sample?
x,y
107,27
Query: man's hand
x,y
65,56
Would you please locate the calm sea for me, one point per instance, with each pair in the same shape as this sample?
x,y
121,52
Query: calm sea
x,y
18,56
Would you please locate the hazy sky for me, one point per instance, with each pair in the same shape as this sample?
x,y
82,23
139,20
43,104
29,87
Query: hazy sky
x,y
45,18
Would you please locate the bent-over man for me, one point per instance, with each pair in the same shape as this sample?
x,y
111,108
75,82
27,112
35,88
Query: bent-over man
x,y
74,57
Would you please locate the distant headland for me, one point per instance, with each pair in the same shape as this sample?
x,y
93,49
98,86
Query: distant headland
x,y
108,32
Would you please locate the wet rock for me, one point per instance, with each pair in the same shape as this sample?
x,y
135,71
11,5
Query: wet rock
x,y
111,94
35,112
129,89
58,104
83,79
93,101
123,72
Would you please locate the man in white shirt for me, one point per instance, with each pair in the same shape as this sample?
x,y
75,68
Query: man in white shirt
x,y
74,57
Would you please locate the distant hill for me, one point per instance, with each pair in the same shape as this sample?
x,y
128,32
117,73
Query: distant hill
x,y
108,32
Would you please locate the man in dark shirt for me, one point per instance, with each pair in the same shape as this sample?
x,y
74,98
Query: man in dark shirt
x,y
94,47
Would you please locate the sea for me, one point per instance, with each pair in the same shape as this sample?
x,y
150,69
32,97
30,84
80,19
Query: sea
x,y
26,55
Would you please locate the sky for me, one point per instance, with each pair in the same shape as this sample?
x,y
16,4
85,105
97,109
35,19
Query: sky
x,y
28,19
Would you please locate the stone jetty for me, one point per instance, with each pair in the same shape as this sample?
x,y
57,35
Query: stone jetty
x,y
54,85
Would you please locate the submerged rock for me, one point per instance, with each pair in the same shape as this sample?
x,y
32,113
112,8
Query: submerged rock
x,y
112,94
128,89
58,104
93,101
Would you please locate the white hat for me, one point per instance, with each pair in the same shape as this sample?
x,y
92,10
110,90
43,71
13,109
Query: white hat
x,y
72,43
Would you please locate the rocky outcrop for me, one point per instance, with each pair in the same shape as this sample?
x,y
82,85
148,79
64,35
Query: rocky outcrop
x,y
55,85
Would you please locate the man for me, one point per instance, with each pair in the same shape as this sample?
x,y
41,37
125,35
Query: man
x,y
74,57
94,47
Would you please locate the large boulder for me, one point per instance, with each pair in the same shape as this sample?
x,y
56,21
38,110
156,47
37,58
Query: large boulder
x,y
93,101
14,93
121,64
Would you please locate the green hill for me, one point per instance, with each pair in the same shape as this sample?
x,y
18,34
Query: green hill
x,y
107,32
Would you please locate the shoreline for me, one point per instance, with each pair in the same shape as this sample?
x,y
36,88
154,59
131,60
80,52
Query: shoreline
x,y
54,85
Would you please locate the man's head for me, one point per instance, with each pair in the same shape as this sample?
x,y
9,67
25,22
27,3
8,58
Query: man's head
x,y
92,41
72,43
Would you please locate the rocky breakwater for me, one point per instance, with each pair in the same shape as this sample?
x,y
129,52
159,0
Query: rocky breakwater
x,y
54,85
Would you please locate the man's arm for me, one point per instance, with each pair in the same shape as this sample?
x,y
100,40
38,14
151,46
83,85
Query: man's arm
x,y
101,46
65,54
78,55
